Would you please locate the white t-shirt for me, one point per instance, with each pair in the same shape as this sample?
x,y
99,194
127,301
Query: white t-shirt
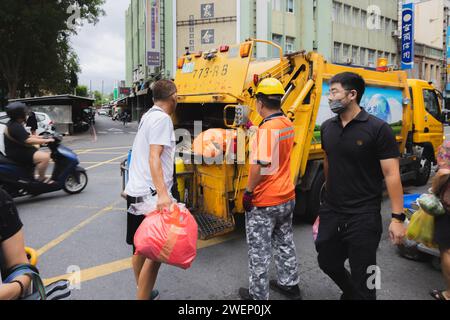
x,y
156,128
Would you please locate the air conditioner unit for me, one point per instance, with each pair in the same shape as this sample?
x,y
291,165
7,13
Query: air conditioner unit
x,y
396,33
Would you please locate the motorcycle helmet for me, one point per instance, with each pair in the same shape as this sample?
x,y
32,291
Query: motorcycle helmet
x,y
17,111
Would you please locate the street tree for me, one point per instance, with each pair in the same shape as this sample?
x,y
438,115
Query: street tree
x,y
36,55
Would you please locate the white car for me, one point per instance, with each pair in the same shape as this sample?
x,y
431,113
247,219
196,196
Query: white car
x,y
45,126
103,112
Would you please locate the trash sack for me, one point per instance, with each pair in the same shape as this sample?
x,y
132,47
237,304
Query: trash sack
x,y
431,204
212,143
421,228
315,229
168,237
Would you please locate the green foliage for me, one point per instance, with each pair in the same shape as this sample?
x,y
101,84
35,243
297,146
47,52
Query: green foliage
x,y
36,56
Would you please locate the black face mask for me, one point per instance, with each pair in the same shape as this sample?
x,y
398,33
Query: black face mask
x,y
337,106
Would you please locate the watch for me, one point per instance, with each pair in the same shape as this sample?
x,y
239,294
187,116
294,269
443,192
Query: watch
x,y
399,216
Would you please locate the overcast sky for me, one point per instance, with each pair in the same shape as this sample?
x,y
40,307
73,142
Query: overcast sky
x,y
101,48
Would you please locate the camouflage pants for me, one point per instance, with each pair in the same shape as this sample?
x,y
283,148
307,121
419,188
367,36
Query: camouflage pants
x,y
270,229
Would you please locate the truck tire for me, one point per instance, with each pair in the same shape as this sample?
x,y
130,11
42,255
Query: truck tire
x,y
423,172
313,199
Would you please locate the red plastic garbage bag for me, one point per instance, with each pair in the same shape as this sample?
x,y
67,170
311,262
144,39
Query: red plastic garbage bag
x,y
168,237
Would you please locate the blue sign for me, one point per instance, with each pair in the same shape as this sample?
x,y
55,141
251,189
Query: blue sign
x,y
408,36
448,45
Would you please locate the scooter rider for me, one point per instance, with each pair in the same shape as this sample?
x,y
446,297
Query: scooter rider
x,y
19,145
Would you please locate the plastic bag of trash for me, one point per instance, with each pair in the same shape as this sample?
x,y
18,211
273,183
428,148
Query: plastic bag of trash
x,y
168,237
431,204
421,228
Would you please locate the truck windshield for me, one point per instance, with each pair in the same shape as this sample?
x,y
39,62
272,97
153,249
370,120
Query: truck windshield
x,y
431,103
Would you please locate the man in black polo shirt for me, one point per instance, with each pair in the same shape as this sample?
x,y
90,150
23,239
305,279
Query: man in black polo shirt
x,y
360,150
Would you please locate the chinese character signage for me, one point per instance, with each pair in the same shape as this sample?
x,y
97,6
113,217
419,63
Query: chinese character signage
x,y
208,36
207,10
408,36
153,33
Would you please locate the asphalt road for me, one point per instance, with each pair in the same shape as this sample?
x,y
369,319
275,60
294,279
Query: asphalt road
x,y
87,232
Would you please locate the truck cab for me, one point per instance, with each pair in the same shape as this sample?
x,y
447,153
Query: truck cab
x,y
428,124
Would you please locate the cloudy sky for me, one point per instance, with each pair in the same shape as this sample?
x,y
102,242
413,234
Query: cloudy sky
x,y
101,48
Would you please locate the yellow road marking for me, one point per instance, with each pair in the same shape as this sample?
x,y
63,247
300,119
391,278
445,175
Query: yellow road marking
x,y
125,264
106,162
100,149
67,234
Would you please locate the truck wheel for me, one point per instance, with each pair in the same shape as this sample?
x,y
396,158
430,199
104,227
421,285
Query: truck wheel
x,y
314,198
424,172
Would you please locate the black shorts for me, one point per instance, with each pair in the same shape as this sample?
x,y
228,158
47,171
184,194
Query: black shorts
x,y
24,156
10,222
442,231
133,223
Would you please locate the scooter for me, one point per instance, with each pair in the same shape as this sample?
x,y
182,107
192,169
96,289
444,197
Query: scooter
x,y
19,180
411,249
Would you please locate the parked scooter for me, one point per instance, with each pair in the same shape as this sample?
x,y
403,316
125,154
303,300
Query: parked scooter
x,y
19,181
411,249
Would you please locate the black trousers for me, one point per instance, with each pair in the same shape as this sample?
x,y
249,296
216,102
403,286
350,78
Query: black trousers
x,y
355,237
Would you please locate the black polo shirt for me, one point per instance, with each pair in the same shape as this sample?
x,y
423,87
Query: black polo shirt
x,y
355,177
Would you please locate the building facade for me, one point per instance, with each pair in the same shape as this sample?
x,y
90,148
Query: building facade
x,y
365,30
429,38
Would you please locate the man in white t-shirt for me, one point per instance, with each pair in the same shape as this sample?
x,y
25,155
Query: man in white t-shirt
x,y
151,176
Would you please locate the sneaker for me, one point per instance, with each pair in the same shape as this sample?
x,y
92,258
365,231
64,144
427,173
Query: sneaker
x,y
245,294
292,292
154,295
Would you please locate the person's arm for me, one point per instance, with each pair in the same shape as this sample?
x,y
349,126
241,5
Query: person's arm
x,y
391,172
12,291
37,140
164,200
439,180
325,168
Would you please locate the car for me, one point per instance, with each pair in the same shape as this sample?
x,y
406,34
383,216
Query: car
x,y
46,126
103,112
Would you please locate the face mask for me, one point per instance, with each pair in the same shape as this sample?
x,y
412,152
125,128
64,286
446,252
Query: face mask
x,y
337,106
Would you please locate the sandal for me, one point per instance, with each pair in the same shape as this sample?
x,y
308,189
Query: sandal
x,y
438,295
47,181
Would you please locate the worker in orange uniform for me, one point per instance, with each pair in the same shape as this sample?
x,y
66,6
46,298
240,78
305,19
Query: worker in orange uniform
x,y
269,200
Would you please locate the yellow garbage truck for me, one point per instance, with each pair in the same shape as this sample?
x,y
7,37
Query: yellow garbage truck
x,y
216,91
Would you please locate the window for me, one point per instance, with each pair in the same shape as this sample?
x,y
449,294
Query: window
x,y
363,53
277,39
346,51
337,52
393,59
290,6
355,18
338,12
334,12
394,25
363,19
355,55
380,54
276,5
387,23
431,103
289,44
347,18
381,26
371,58
40,117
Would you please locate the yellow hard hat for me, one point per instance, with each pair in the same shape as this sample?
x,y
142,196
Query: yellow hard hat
x,y
270,86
